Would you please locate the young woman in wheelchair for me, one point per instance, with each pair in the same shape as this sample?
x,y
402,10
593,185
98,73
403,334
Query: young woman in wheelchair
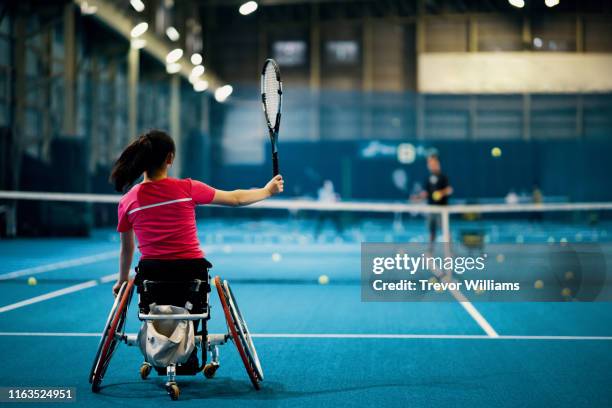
x,y
160,213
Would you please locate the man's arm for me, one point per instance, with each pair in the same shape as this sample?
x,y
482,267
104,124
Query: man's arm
x,y
422,195
125,259
237,198
446,191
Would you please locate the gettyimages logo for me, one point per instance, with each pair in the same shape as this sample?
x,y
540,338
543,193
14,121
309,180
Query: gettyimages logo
x,y
414,264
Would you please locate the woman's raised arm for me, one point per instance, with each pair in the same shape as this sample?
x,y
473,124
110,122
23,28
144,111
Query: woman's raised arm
x,y
238,198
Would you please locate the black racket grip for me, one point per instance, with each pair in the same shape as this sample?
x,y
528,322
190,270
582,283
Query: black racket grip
x,y
275,164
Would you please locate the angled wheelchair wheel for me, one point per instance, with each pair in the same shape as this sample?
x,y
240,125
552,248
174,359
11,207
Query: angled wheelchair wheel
x,y
239,332
108,342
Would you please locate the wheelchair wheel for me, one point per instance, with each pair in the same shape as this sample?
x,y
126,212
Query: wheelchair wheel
x,y
210,370
239,332
109,341
145,370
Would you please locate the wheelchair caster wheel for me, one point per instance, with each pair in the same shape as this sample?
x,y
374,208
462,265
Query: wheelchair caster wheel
x,y
210,370
173,390
145,370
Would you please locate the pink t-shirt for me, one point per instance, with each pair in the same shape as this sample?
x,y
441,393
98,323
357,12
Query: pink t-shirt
x,y
162,214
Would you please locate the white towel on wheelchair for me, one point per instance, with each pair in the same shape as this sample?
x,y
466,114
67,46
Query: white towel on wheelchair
x,y
165,342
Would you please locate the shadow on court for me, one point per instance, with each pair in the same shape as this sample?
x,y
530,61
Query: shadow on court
x,y
228,388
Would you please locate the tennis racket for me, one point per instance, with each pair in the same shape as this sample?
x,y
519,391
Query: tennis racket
x,y
271,97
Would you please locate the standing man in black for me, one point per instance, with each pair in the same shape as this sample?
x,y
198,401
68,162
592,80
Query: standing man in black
x,y
437,190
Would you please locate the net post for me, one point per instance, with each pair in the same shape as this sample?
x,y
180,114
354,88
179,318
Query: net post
x,y
445,215
11,220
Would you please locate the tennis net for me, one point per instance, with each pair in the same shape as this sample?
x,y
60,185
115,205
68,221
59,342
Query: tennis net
x,y
470,224
301,241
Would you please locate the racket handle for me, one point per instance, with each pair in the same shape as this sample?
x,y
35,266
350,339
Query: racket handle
x,y
275,164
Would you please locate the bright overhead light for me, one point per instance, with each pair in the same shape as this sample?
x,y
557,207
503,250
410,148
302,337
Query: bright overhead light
x,y
138,43
138,5
88,9
517,3
197,71
248,8
139,29
196,59
172,33
200,86
537,42
222,93
551,3
174,55
173,68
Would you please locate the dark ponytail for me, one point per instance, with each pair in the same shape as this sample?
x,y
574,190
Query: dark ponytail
x,y
148,154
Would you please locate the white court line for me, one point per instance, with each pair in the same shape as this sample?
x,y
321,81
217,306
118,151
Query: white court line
x,y
470,308
85,260
347,336
57,293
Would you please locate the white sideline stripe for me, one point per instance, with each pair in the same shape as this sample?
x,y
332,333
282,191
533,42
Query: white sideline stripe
x,y
469,307
109,278
347,336
85,260
58,293
144,207
422,336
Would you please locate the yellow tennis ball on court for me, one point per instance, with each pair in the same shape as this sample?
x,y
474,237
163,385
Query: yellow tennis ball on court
x,y
538,284
437,196
496,152
32,281
323,280
566,292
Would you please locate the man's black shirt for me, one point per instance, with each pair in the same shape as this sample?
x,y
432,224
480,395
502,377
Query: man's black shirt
x,y
436,182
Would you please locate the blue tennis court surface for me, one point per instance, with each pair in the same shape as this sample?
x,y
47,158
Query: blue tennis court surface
x,y
319,344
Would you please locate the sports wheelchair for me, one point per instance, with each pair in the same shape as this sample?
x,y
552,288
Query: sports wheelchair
x,y
196,294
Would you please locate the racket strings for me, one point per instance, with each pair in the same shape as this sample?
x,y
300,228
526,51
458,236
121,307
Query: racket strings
x,y
271,87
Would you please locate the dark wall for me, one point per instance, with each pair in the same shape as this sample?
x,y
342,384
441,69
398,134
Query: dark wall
x,y
576,170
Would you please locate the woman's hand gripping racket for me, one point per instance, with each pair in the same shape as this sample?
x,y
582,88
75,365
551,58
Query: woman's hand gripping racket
x,y
271,97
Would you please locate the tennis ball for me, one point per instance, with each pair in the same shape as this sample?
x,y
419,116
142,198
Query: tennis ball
x,y
276,257
500,258
323,280
566,292
437,196
538,284
32,281
569,275
496,152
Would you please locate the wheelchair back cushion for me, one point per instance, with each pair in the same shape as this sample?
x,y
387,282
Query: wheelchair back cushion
x,y
165,342
171,283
